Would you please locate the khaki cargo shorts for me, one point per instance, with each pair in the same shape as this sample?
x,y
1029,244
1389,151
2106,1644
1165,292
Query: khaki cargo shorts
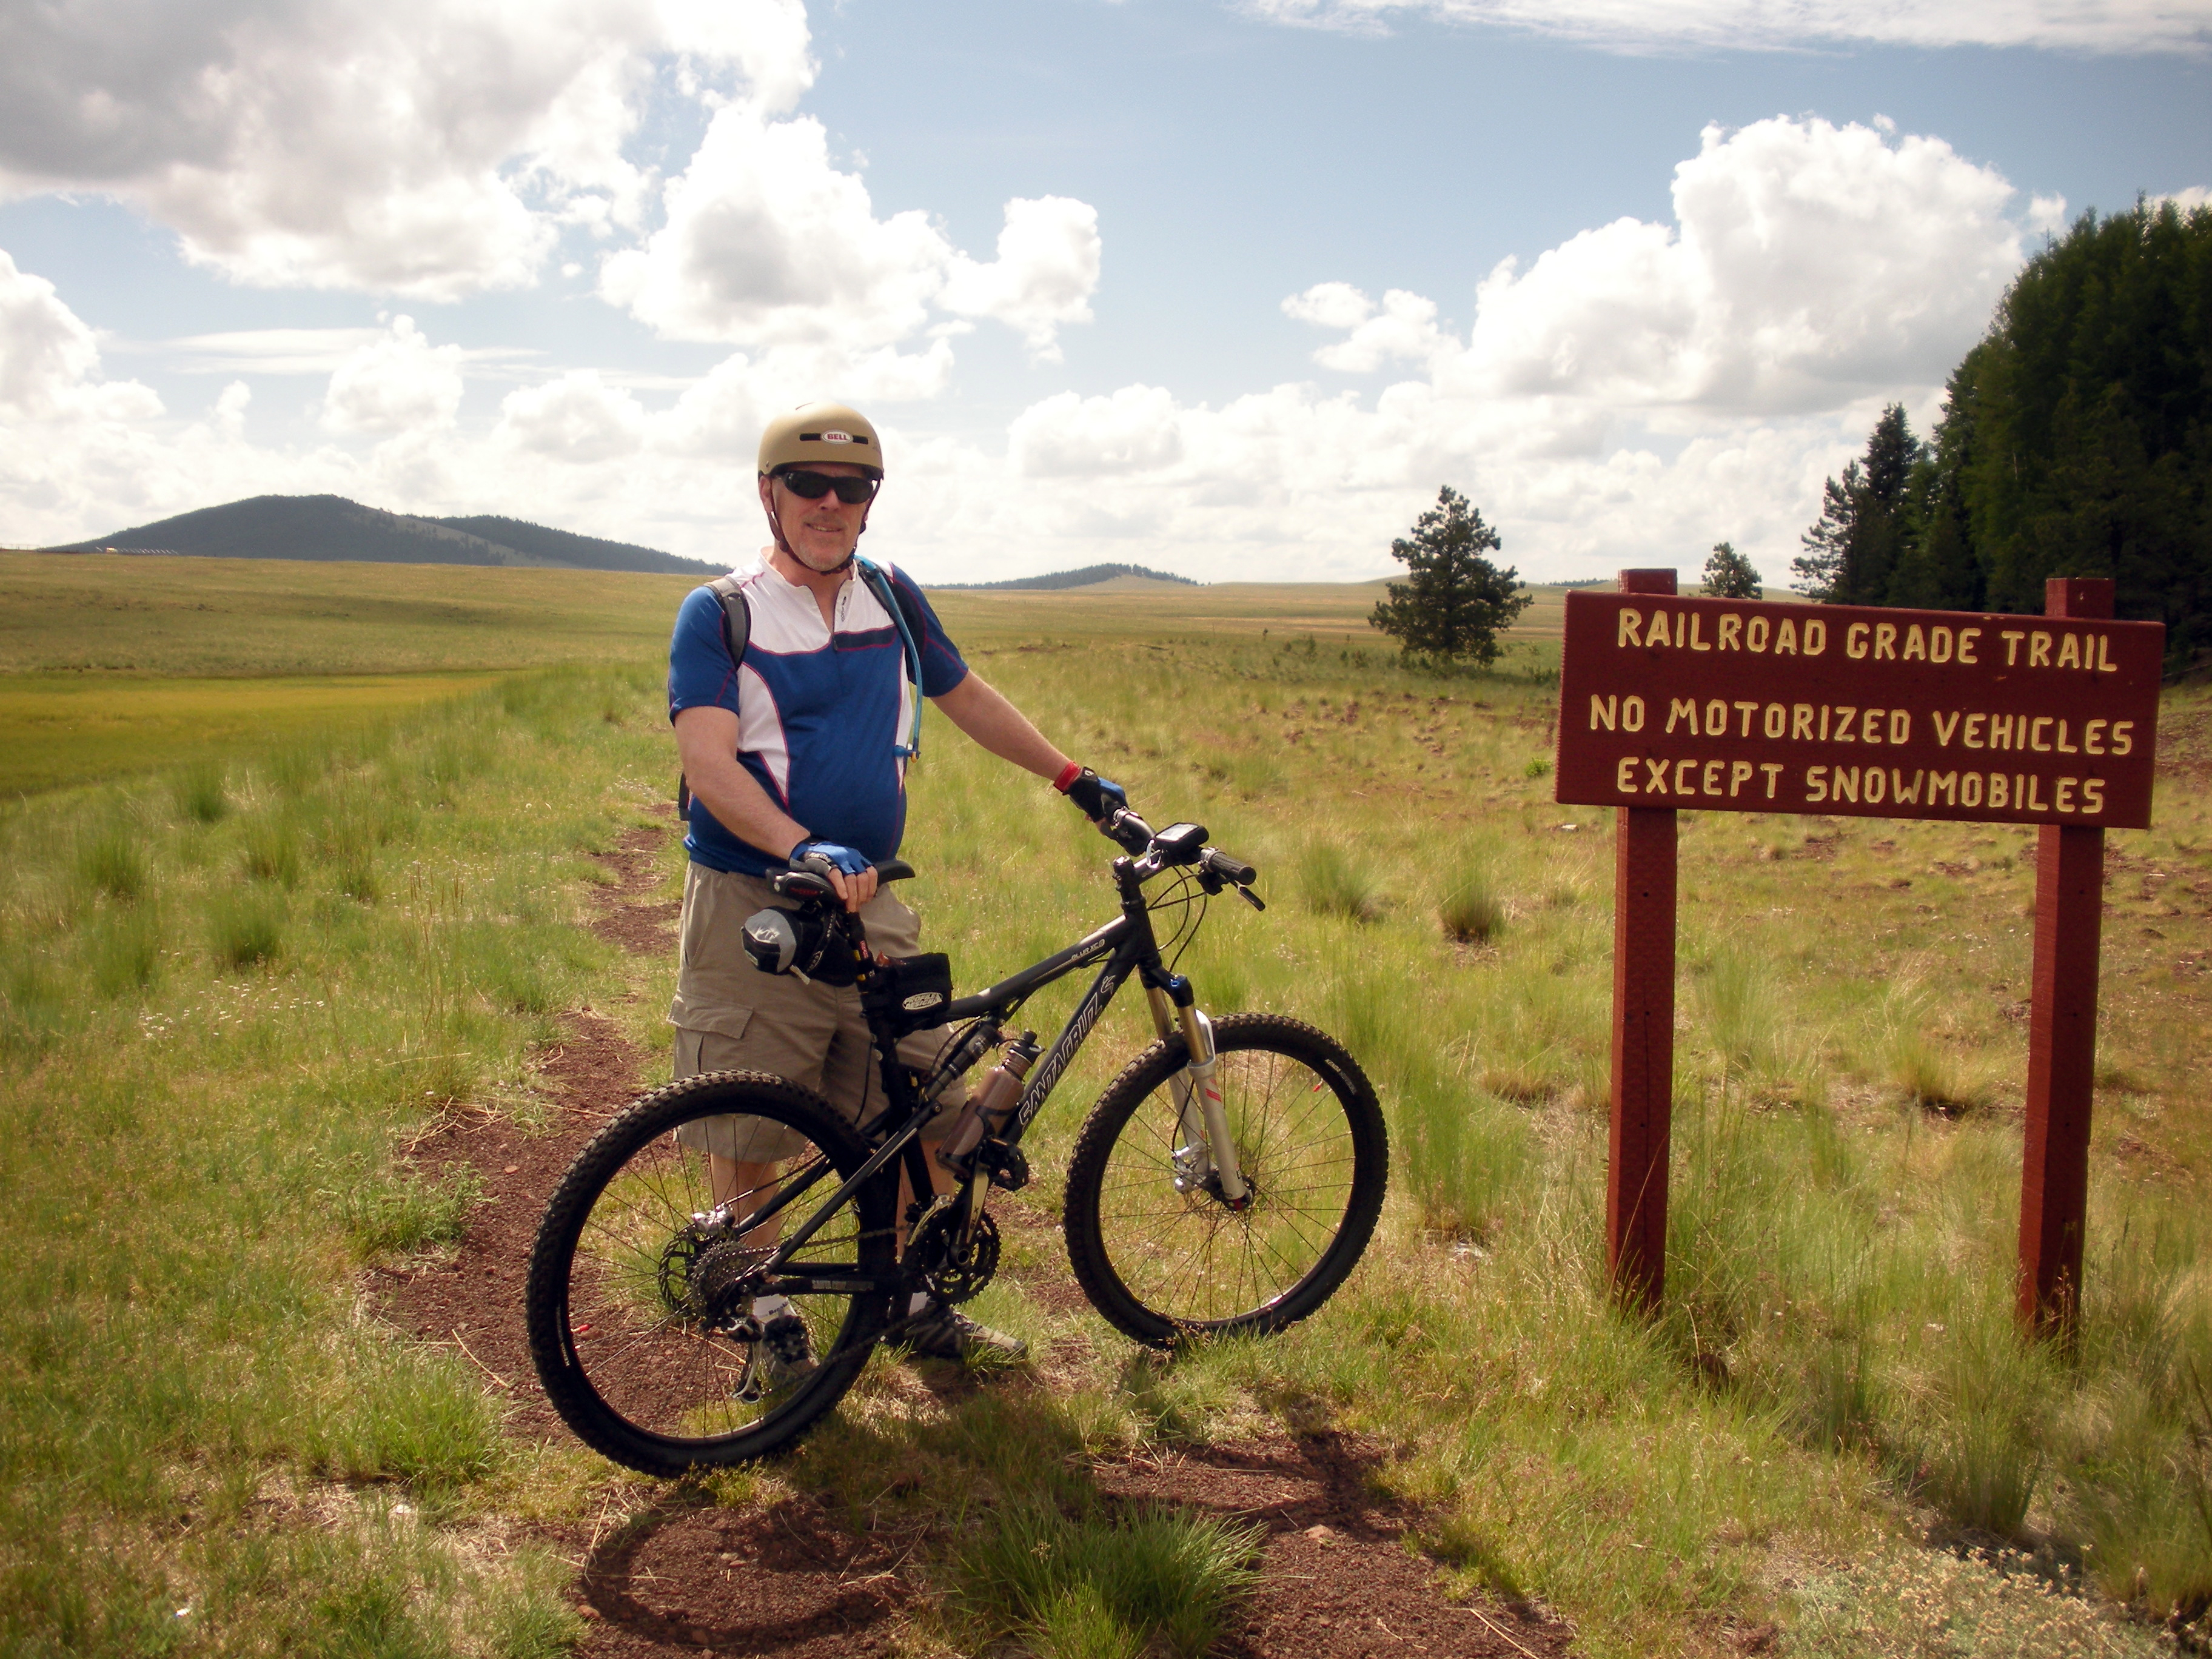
x,y
731,1017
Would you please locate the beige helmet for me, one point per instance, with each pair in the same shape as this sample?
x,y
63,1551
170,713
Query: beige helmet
x,y
821,432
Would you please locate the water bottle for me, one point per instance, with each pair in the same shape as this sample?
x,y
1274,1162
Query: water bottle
x,y
990,1107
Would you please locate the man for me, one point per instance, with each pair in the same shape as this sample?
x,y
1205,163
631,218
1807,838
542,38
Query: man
x,y
798,753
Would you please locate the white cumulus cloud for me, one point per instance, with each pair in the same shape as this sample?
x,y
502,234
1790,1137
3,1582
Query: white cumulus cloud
x,y
1045,274
578,417
397,382
426,148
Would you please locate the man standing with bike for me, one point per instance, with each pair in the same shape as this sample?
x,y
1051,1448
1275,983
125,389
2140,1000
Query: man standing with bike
x,y
795,752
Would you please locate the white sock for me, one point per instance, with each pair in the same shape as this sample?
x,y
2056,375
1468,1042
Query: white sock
x,y
766,1308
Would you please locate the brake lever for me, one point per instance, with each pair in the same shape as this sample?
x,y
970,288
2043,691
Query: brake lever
x,y
1251,898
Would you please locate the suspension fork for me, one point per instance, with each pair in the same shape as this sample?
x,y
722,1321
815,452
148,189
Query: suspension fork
x,y
1206,1159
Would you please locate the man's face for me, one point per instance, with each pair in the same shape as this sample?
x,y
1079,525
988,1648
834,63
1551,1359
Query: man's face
x,y
823,533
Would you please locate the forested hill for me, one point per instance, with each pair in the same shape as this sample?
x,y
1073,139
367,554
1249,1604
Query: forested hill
x,y
1088,576
2076,441
331,527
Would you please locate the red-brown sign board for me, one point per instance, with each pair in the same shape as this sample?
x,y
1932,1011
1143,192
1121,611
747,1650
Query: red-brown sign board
x,y
1737,706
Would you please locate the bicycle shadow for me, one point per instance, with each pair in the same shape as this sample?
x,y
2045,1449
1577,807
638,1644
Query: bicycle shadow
x,y
675,1573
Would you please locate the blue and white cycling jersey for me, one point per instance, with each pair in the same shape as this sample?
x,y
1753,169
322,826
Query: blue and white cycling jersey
x,y
820,709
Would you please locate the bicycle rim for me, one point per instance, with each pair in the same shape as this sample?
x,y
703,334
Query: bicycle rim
x,y
1161,1259
641,1341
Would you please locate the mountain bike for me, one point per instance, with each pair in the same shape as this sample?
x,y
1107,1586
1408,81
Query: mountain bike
x,y
1226,1182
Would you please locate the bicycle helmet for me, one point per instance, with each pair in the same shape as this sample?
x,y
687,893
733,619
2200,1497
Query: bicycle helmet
x,y
821,432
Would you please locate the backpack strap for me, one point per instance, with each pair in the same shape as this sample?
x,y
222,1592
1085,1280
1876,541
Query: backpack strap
x,y
729,592
908,620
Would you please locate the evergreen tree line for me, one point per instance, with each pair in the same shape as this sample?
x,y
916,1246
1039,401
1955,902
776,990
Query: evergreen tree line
x,y
2076,441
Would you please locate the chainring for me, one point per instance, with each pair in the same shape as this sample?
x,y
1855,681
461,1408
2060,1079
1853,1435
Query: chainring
x,y
952,1272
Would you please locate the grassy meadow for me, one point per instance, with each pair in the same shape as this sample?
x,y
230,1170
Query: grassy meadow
x,y
234,987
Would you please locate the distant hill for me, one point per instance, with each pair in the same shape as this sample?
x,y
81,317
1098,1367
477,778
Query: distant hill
x,y
1089,576
332,528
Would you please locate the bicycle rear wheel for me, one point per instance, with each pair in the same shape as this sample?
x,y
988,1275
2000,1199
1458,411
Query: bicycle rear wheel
x,y
1162,1261
639,1309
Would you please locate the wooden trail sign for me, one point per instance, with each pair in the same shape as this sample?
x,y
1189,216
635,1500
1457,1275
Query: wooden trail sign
x,y
1725,705
1732,706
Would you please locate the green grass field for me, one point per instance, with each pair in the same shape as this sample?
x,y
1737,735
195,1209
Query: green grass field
x,y
233,988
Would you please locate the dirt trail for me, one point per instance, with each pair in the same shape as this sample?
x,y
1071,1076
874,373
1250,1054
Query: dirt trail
x,y
790,1580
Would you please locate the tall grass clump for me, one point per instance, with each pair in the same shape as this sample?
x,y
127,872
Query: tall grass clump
x,y
112,863
1151,1579
1335,881
198,791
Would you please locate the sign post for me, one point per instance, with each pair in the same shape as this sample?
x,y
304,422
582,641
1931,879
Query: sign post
x,y
1739,706
1643,889
2061,1040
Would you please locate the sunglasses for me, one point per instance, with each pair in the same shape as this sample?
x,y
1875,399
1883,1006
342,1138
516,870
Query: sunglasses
x,y
813,486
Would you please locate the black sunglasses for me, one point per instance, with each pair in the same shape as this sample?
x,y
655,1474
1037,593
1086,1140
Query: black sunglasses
x,y
813,486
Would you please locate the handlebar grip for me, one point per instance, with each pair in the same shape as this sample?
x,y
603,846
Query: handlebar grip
x,y
1131,831
1229,869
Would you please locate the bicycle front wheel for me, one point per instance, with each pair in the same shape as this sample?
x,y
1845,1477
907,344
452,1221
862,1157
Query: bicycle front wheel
x,y
1163,1258
644,1308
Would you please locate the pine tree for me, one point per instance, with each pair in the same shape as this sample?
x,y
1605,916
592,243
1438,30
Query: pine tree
x,y
1456,602
1730,576
1866,530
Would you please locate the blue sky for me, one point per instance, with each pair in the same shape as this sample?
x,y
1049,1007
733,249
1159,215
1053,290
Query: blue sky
x,y
1247,312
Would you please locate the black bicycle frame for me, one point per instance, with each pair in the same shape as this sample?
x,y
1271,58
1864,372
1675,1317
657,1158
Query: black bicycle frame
x,y
1128,945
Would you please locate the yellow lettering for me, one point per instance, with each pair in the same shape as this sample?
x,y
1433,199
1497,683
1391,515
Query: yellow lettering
x,y
1603,711
1855,640
2070,651
1654,776
2000,791
1623,776
2124,742
1916,643
1945,784
1731,627
1844,712
1631,622
1846,783
1631,714
1709,781
1682,708
1682,770
1716,719
1785,637
1967,638
1657,633
2105,665
1739,775
1697,642
1745,709
1901,725
2092,796
2092,739
2012,637
1800,721
1973,739
1816,637
2062,794
1877,785
2035,734
1775,721
1969,790
2001,732
2038,649
1945,733
2033,799
2064,747
1773,768
1816,785
1754,636
1885,641
1899,793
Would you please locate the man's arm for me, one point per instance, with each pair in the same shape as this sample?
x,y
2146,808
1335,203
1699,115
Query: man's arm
x,y
983,712
707,745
